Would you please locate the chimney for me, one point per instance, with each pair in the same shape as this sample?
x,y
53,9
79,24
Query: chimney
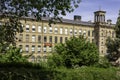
x,y
109,21
77,18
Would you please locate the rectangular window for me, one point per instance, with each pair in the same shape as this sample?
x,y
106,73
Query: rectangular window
x,y
27,48
88,33
75,32
33,48
66,38
39,38
84,33
80,32
45,39
61,39
20,46
27,28
66,31
33,38
70,31
56,30
50,28
39,29
45,30
50,48
92,33
56,39
21,37
39,49
44,49
61,31
33,28
50,39
27,37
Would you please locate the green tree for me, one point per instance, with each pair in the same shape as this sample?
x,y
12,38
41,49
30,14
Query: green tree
x,y
76,52
13,54
113,45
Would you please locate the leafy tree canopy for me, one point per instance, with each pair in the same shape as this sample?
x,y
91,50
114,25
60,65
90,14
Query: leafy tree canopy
x,y
113,45
76,52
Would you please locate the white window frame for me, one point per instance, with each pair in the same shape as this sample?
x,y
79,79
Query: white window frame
x,y
33,38
45,30
27,26
66,31
75,32
71,31
27,48
61,30
45,49
33,49
80,32
33,27
39,29
50,29
39,49
56,30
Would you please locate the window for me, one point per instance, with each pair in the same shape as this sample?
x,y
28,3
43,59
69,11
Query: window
x,y
50,39
33,28
75,32
88,33
20,46
113,34
45,30
61,39
70,31
39,38
61,31
84,33
39,28
20,37
33,38
56,30
27,28
27,48
66,31
45,39
80,32
56,39
44,49
66,38
39,49
27,38
50,48
92,40
92,33
33,48
50,28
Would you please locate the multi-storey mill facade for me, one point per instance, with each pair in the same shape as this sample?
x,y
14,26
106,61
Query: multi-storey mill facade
x,y
39,38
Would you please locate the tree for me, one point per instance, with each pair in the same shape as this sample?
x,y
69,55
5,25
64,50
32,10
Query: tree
x,y
113,45
76,52
12,10
13,54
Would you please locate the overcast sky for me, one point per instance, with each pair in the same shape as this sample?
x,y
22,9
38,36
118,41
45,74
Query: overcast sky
x,y
87,8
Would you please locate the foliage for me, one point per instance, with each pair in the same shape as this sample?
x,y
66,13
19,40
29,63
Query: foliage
x,y
83,73
13,54
38,8
113,46
103,63
76,52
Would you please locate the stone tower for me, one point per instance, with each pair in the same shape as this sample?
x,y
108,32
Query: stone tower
x,y
99,21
